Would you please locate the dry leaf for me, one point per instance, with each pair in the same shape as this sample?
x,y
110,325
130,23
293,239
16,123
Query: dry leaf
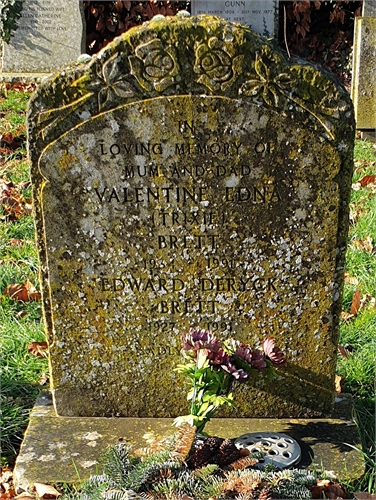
x,y
366,244
355,214
351,279
8,495
21,314
367,179
43,379
16,292
38,349
344,352
22,293
46,491
15,242
327,489
24,496
345,316
338,384
367,299
355,304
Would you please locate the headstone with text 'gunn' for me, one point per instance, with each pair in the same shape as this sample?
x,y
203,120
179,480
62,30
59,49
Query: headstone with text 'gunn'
x,y
189,175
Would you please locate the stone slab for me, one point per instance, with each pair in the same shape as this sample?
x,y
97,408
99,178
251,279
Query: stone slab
x,y
49,36
260,15
363,89
190,176
13,78
68,449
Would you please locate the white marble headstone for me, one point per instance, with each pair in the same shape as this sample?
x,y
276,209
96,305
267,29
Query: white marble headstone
x,y
260,15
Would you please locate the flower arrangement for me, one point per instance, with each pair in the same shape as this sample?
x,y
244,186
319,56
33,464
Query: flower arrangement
x,y
215,368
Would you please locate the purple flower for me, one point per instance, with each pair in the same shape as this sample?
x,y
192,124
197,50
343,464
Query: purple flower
x,y
238,373
273,352
197,339
253,357
258,361
217,356
244,352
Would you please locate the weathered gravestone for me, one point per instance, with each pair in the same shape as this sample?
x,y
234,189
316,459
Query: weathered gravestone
x,y
189,175
363,86
260,15
49,36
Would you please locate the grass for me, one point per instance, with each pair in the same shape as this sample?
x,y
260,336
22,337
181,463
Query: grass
x,y
20,323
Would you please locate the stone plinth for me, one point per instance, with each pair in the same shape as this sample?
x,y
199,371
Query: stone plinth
x,y
68,449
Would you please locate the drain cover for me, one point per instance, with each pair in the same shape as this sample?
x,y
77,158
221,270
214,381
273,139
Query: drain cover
x,y
280,449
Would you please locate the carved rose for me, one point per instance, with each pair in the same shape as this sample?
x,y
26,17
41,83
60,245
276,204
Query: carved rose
x,y
214,65
155,66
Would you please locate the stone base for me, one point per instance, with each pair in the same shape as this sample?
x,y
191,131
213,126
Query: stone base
x,y
368,135
22,77
67,449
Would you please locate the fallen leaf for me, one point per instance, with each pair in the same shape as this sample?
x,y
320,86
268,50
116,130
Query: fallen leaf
x,y
367,299
338,384
43,379
355,214
14,205
16,292
21,314
351,279
365,244
345,316
367,179
355,304
24,496
343,351
24,87
38,349
327,489
23,293
7,495
15,242
46,491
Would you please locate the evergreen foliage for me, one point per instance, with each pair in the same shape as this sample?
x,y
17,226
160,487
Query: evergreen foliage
x,y
10,12
164,475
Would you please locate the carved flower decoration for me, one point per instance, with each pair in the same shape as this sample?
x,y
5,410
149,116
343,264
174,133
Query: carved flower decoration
x,y
155,66
270,86
110,84
215,65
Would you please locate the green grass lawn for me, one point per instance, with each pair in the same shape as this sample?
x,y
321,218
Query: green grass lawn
x,y
20,322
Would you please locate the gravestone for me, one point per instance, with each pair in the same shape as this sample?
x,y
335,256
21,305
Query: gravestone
x,y
260,15
189,175
363,88
49,36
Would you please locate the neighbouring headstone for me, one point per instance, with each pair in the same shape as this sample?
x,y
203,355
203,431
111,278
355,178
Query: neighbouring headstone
x,y
50,35
260,15
363,88
189,175
369,8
